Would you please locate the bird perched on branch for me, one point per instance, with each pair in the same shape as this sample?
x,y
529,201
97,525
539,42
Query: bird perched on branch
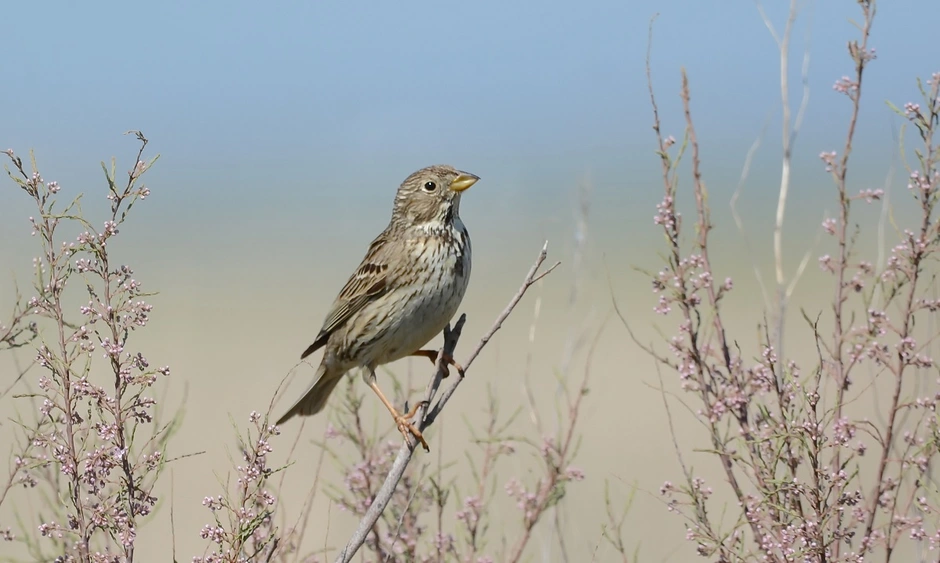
x,y
405,291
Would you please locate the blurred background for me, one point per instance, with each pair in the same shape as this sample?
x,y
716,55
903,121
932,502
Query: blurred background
x,y
284,130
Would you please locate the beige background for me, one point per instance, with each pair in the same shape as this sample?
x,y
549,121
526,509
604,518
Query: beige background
x,y
232,316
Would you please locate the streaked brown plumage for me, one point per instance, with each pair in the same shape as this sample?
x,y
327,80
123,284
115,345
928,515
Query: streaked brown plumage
x,y
407,288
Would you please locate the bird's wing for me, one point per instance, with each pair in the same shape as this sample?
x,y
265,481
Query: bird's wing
x,y
371,280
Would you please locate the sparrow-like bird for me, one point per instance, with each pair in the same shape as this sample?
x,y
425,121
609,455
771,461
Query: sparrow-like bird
x,y
405,291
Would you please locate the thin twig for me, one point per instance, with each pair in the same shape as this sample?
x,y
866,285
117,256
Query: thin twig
x,y
789,134
745,171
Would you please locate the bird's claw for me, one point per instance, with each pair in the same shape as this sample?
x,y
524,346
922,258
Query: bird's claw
x,y
448,361
406,428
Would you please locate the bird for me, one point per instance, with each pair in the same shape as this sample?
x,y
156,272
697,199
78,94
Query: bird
x,y
407,288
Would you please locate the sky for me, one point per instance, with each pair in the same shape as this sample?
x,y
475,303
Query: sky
x,y
316,99
284,129
286,110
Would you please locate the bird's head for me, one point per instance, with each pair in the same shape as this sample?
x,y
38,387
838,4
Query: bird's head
x,y
431,196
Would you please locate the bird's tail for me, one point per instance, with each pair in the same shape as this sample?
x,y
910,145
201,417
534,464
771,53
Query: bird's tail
x,y
315,397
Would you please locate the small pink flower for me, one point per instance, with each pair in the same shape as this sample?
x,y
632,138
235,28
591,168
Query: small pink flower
x,y
574,474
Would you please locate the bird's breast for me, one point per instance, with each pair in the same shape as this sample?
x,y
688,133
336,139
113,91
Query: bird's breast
x,y
444,253
431,294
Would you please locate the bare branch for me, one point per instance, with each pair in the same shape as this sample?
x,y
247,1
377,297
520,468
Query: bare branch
x,y
788,138
451,337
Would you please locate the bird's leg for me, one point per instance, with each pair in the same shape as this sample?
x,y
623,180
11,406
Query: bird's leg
x,y
401,420
448,359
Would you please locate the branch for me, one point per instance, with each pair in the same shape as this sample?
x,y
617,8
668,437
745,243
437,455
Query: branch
x,y
451,336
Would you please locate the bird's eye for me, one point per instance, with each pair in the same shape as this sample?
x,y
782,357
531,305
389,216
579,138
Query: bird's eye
x,y
430,186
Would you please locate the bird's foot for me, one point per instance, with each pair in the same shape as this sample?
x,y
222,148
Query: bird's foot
x,y
403,421
448,360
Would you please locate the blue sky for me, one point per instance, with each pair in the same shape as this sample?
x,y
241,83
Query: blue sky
x,y
392,82
287,110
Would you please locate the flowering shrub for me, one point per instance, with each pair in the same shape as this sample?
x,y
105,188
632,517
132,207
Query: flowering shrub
x,y
813,481
98,447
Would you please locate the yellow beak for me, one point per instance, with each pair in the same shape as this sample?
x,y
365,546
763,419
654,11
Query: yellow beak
x,y
464,181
